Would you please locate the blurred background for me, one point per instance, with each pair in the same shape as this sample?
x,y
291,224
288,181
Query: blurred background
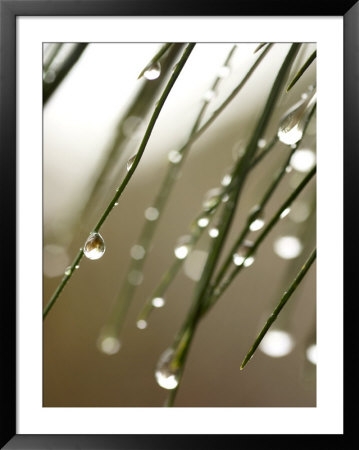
x,y
101,107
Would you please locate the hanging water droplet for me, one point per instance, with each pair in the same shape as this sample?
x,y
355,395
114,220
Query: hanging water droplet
x,y
135,277
202,222
94,247
153,71
158,302
141,324
240,257
257,224
166,374
257,220
130,162
174,156
183,247
213,232
137,252
292,124
152,213
68,271
211,199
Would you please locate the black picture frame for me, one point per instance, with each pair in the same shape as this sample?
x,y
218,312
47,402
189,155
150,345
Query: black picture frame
x,y
10,9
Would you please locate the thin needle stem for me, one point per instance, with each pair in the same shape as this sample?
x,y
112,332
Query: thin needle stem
x,y
286,296
127,178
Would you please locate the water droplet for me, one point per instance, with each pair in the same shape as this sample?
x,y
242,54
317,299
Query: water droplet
x,y
152,213
108,343
174,156
183,247
213,232
240,257
137,252
153,72
311,353
115,204
135,277
141,324
291,126
225,198
130,162
211,199
285,213
261,143
257,224
300,212
68,271
202,222
303,160
77,266
50,76
277,343
158,302
288,169
94,247
166,375
224,71
226,180
208,95
288,247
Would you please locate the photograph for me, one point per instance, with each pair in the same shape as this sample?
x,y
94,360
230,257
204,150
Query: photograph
x,y
179,224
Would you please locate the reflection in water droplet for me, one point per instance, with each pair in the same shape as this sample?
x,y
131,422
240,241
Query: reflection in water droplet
x,y
94,247
303,160
137,252
153,72
292,124
130,162
158,302
141,324
151,213
311,354
277,343
202,222
135,277
288,247
174,156
110,345
166,376
211,199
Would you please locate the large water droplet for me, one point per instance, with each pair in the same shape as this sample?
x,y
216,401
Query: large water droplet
x,y
94,247
153,72
166,375
292,124
303,160
130,162
183,247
